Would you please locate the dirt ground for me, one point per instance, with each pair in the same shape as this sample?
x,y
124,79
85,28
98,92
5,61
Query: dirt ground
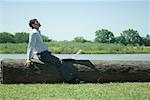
x,y
14,71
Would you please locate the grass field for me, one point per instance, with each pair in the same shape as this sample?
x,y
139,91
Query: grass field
x,y
72,47
89,91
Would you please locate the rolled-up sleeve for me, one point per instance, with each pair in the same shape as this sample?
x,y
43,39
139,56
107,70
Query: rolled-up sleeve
x,y
31,46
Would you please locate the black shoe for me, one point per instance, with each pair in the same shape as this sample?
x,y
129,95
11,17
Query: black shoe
x,y
75,81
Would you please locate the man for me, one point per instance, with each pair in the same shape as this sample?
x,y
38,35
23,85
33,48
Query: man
x,y
37,45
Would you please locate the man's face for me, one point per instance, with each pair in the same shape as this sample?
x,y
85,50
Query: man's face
x,y
36,24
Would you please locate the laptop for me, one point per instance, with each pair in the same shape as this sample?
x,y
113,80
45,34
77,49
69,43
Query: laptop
x,y
74,56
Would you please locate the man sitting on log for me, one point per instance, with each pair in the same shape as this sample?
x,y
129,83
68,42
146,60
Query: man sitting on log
x,y
37,45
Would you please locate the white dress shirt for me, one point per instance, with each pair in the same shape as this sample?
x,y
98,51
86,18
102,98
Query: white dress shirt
x,y
36,44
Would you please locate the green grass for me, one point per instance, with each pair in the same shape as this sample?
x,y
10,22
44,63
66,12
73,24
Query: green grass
x,y
13,48
72,47
90,91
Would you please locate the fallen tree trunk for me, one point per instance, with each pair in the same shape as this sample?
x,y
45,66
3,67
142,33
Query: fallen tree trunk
x,y
14,71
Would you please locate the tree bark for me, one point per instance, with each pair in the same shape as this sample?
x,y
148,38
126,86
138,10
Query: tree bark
x,y
14,71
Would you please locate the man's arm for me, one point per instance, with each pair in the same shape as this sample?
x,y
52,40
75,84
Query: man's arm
x,y
31,46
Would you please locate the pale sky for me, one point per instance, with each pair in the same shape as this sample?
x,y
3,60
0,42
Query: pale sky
x,y
65,20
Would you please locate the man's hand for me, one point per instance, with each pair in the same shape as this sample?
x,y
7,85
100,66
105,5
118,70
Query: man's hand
x,y
28,63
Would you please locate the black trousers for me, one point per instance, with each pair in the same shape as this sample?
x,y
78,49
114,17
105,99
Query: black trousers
x,y
67,70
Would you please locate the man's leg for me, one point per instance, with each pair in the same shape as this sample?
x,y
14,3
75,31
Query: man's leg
x,y
47,57
67,70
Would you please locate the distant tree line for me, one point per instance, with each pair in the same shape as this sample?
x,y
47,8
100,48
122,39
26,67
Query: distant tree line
x,y
19,37
126,37
129,36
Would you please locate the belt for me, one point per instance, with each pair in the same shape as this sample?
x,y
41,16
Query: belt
x,y
42,52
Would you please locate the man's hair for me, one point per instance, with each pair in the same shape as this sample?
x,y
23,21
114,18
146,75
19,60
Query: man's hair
x,y
32,21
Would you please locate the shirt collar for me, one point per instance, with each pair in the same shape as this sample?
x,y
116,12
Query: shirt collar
x,y
35,31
